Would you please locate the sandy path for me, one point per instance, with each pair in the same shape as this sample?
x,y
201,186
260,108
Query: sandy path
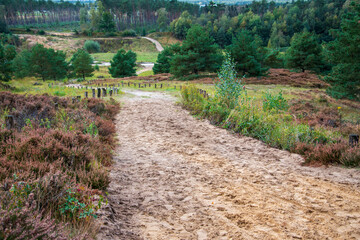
x,y
176,177
157,44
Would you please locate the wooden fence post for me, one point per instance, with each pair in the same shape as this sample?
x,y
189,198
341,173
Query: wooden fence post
x,y
86,94
353,140
104,92
9,121
99,92
93,92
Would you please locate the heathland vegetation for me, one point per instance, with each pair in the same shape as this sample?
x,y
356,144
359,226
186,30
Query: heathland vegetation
x,y
287,74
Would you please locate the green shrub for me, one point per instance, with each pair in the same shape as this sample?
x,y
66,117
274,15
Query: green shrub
x,y
128,33
41,32
192,99
277,102
92,46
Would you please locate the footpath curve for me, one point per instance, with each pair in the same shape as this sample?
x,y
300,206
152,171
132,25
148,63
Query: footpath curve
x,y
157,44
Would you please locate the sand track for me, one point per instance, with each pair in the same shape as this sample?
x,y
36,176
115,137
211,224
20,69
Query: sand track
x,y
176,177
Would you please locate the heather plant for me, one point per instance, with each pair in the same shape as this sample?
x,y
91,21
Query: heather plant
x,y
351,157
49,152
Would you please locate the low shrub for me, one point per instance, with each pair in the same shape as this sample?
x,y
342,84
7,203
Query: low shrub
x,y
92,46
128,33
323,153
268,121
351,157
56,155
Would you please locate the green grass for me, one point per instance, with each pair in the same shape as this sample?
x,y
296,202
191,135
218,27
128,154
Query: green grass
x,y
26,86
147,73
103,57
141,56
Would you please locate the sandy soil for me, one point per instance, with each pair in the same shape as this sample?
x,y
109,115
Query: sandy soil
x,y
176,177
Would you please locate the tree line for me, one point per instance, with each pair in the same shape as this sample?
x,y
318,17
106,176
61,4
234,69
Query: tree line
x,y
49,64
121,15
338,59
274,24
28,12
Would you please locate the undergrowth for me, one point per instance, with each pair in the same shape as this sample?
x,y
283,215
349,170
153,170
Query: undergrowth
x,y
268,120
53,165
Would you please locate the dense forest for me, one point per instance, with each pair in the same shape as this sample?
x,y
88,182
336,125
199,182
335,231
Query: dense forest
x,y
24,12
125,13
301,35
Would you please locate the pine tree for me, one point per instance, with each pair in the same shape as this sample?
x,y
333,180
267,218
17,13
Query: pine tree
x,y
107,23
198,53
245,50
344,52
7,55
39,62
305,53
46,63
21,64
162,64
58,68
123,64
3,24
81,64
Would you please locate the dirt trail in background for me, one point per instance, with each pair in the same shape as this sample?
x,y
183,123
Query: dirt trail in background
x,y
176,177
157,44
